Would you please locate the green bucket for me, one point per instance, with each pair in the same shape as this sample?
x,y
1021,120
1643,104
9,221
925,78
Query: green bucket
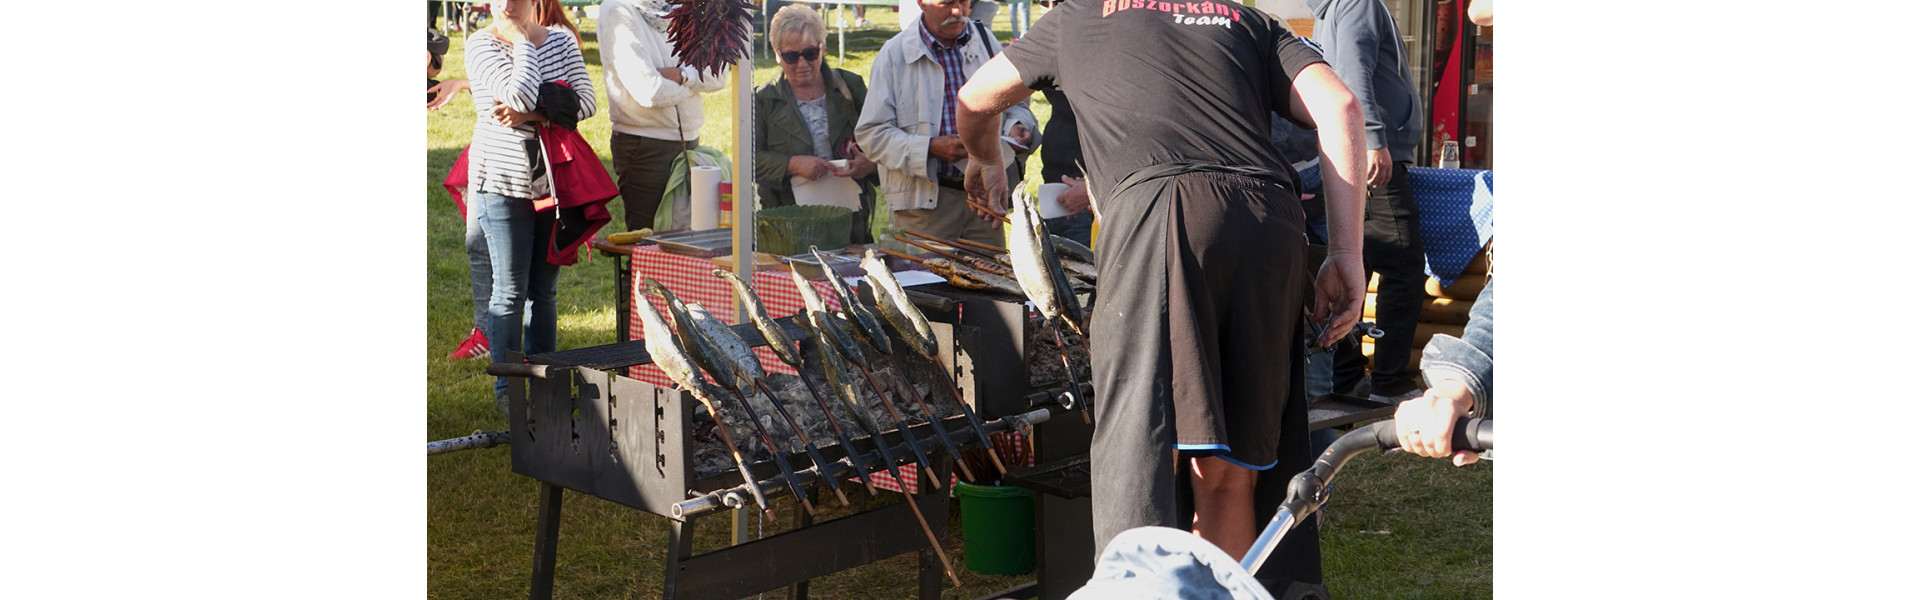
x,y
996,522
788,230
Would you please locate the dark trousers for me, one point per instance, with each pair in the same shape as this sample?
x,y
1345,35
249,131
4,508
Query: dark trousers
x,y
1394,250
643,165
1142,394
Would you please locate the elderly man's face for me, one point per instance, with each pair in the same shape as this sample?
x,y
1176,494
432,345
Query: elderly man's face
x,y
945,20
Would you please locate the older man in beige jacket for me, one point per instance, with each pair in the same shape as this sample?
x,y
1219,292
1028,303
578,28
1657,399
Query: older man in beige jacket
x,y
907,125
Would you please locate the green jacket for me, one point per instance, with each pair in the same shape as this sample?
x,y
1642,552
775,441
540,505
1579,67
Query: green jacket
x,y
782,133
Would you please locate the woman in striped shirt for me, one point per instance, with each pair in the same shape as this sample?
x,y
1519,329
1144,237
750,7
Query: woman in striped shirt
x,y
507,63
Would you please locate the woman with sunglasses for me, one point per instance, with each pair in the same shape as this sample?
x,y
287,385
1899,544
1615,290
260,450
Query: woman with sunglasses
x,y
805,117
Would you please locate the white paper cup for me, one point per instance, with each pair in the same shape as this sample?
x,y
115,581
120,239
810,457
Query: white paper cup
x,y
838,165
1050,207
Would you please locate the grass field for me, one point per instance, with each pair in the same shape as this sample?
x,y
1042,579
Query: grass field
x,y
1398,527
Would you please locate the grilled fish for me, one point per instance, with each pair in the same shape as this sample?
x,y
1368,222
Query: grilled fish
x,y
866,325
829,331
963,276
701,349
1081,272
894,305
672,359
777,338
734,352
1037,268
1072,250
667,353
1001,268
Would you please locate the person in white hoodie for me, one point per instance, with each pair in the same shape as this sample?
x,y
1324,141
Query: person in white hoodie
x,y
653,102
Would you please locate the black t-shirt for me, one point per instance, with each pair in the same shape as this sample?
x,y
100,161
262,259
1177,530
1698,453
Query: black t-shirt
x,y
1155,82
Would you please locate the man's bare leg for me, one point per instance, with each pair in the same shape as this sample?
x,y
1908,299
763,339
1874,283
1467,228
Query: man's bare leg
x,y
1223,504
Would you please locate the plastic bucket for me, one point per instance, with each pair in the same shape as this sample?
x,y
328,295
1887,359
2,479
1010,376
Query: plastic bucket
x,y
996,522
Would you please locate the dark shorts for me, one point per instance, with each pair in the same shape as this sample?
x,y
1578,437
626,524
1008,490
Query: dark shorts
x,y
1202,282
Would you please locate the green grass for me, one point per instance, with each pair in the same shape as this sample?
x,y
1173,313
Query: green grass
x,y
1399,528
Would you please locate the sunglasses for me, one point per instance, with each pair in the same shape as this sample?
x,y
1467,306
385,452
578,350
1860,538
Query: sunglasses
x,y
812,53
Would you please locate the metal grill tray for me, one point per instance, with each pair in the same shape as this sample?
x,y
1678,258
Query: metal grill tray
x,y
706,243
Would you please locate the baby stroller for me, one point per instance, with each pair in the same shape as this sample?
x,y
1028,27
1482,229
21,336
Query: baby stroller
x,y
1161,562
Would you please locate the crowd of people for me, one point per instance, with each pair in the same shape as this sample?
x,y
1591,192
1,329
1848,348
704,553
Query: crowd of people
x,y
1198,155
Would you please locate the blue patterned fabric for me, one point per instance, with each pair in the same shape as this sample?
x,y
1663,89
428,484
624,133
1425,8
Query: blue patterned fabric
x,y
1456,216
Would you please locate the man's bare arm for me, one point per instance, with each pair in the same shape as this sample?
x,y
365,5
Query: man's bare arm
x,y
992,89
1318,97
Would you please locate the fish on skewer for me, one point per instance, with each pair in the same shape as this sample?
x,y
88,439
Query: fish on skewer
x,y
1079,270
962,276
1039,273
841,382
1037,268
867,328
912,326
1075,258
713,359
739,354
672,359
983,264
835,338
785,347
1072,250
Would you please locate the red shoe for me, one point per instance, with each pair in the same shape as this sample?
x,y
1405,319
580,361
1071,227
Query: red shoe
x,y
475,346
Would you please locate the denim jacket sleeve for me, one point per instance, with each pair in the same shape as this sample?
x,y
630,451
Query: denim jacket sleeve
x,y
1469,358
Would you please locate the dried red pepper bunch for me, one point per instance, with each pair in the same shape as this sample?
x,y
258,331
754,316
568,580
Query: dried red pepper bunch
x,y
710,35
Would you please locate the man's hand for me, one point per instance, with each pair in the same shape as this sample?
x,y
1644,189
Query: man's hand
x,y
673,74
1379,167
810,167
1074,199
1021,136
506,116
858,166
1425,424
987,185
1341,291
947,148
444,92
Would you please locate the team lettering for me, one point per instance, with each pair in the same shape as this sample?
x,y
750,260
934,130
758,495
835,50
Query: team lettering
x,y
1186,13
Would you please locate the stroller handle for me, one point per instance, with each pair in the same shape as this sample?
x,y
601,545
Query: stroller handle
x,y
1469,433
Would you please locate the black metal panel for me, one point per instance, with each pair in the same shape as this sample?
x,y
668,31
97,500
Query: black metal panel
x,y
550,421
807,553
992,355
630,468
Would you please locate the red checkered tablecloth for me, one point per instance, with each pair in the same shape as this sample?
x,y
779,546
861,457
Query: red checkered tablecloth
x,y
692,280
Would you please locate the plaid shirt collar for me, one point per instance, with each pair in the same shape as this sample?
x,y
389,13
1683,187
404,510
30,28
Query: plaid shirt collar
x,y
936,48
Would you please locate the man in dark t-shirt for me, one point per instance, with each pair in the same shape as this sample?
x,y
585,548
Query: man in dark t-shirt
x,y
1201,252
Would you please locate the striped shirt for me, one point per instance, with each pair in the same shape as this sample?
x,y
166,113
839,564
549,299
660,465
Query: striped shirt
x,y
498,162
951,64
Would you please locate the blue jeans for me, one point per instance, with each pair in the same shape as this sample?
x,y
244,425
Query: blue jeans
x,y
517,241
479,267
1078,227
1021,17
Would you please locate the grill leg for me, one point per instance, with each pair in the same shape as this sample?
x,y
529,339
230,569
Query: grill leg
x,y
623,297
679,548
546,542
798,591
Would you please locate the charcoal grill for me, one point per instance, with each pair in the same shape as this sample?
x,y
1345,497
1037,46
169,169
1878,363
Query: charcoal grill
x,y
577,422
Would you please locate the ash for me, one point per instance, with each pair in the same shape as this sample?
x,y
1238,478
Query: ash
x,y
1043,355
